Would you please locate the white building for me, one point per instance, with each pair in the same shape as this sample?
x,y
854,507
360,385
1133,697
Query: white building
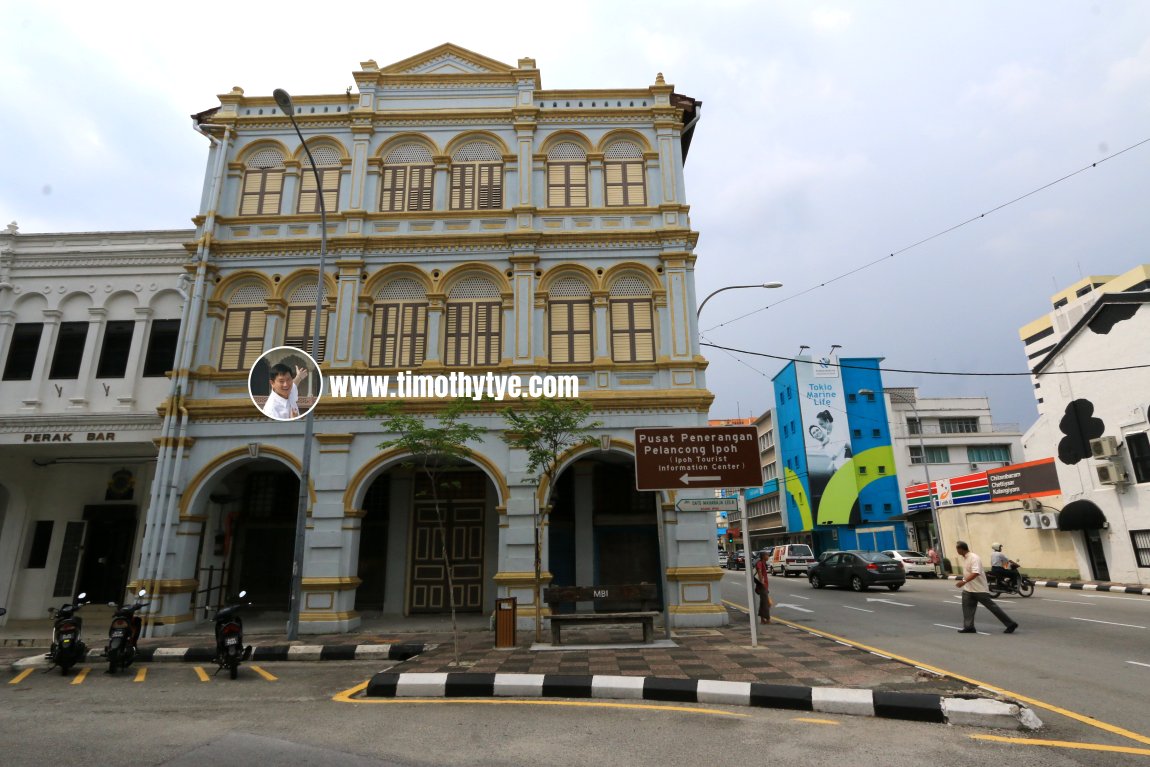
x,y
88,329
1094,390
944,437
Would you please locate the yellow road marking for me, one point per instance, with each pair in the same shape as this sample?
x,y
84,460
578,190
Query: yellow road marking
x,y
140,674
203,675
82,675
346,697
263,673
21,676
1064,744
814,721
1111,728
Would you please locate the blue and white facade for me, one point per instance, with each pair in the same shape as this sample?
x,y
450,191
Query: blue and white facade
x,y
476,223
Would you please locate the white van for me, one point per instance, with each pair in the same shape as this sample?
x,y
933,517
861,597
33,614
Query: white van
x,y
791,559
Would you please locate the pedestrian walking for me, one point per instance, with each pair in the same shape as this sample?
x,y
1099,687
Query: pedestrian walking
x,y
935,561
762,587
975,592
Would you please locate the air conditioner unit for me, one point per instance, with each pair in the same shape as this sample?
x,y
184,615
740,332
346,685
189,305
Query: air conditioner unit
x,y
1048,520
1104,447
1030,520
1110,473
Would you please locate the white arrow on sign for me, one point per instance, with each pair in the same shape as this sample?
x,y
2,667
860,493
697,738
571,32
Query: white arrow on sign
x,y
889,602
687,479
793,607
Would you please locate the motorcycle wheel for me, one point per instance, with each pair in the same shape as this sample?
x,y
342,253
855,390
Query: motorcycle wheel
x,y
113,665
234,670
995,592
1026,588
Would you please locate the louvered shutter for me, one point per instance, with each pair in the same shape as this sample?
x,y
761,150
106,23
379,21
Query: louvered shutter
x,y
273,186
413,335
462,187
487,336
308,199
243,338
490,187
644,331
459,329
300,325
391,189
253,188
419,188
382,352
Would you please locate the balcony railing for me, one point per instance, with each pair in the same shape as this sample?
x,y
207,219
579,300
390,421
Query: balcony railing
x,y
934,430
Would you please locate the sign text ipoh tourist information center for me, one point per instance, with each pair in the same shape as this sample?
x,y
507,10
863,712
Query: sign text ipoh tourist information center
x,y
702,457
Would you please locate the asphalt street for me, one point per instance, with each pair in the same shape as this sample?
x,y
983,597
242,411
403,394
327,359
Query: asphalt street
x,y
1086,652
290,715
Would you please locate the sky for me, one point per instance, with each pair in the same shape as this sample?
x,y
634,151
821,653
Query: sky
x,y
832,134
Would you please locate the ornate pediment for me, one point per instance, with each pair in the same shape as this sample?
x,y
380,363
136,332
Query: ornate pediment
x,y
446,60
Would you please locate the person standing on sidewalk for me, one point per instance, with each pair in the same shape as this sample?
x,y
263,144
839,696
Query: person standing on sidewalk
x,y
762,587
975,592
935,561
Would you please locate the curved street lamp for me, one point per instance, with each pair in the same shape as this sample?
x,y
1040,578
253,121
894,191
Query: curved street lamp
x,y
735,287
283,100
925,464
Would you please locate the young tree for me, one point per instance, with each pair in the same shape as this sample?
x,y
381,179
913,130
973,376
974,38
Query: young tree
x,y
433,449
546,432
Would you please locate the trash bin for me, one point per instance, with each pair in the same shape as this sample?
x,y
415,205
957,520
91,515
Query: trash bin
x,y
505,610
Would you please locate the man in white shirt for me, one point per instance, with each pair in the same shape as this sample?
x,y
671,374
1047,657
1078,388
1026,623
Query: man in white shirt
x,y
975,591
282,403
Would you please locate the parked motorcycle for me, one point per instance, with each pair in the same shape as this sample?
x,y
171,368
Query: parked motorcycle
x,y
67,648
230,650
123,634
1020,585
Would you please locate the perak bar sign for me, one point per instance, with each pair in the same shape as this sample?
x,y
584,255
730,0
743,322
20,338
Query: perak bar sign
x,y
68,436
697,457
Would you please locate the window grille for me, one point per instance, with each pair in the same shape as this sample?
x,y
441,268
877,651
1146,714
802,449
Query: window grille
x,y
474,287
630,285
401,289
570,287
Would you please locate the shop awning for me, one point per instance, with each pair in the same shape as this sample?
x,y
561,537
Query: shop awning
x,y
1081,515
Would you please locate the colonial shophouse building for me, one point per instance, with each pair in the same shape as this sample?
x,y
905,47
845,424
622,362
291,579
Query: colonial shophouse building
x,y
476,223
88,331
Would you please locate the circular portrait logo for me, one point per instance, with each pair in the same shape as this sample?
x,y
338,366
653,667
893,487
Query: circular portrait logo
x,y
285,383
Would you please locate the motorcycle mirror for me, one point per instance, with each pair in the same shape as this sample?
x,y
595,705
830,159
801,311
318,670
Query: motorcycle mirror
x,y
243,594
81,595
141,592
112,604
2,611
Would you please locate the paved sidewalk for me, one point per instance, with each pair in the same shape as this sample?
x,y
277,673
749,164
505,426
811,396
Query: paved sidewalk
x,y
1120,588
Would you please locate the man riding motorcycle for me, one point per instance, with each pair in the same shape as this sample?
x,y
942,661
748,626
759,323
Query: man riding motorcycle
x,y
1000,566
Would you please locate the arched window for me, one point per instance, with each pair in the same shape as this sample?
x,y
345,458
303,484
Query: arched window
x,y
474,320
476,177
406,181
263,182
328,162
244,323
399,325
300,325
623,175
566,176
632,320
569,321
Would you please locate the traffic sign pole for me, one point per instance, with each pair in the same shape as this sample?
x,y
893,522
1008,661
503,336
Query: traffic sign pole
x,y
747,560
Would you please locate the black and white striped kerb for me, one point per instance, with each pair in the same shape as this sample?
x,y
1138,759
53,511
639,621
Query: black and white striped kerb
x,y
919,707
265,653
1075,586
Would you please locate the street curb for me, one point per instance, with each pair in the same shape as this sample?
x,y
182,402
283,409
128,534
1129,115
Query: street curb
x,y
1080,586
260,653
909,706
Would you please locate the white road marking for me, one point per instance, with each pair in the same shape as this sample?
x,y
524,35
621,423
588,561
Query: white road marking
x,y
860,609
796,596
1127,599
1109,623
889,602
793,607
1136,663
1068,602
956,628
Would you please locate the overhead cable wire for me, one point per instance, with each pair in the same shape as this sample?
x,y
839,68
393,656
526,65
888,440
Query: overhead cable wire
x,y
731,349
936,235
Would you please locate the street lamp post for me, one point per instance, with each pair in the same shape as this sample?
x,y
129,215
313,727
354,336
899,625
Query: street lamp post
x,y
925,466
743,518
735,287
283,100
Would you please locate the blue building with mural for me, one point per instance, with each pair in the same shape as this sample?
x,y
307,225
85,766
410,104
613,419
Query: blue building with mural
x,y
838,467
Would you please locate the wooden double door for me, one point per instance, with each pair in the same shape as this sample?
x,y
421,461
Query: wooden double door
x,y
462,524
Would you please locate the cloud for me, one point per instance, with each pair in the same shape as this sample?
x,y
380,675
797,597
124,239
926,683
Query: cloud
x,y
830,19
1014,87
1131,72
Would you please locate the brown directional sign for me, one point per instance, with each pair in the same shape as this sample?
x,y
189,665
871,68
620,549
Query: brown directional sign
x,y
697,457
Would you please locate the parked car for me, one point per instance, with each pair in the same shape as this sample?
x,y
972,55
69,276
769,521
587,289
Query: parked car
x,y
858,570
791,559
914,562
722,559
736,561
822,557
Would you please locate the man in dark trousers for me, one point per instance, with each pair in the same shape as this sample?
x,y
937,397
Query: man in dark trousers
x,y
975,592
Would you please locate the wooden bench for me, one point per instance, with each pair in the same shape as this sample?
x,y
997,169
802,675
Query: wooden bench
x,y
633,603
